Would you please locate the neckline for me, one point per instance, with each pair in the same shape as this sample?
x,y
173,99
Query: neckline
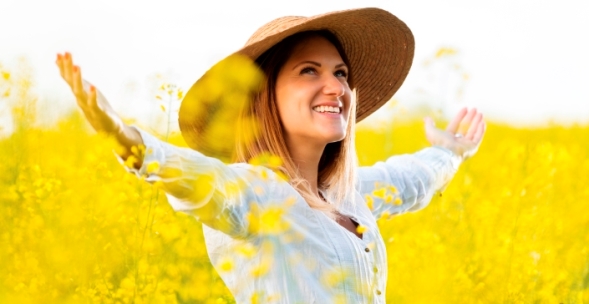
x,y
354,221
352,218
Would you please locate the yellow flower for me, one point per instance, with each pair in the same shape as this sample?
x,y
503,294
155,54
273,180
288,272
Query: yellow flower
x,y
268,220
134,150
158,184
267,160
361,229
332,278
247,249
131,161
445,51
260,297
398,201
385,215
369,201
261,269
138,151
393,189
153,167
380,193
225,264
274,161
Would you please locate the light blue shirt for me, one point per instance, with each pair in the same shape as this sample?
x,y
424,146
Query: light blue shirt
x,y
266,242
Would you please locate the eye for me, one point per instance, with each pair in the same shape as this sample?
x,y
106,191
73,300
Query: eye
x,y
309,70
341,73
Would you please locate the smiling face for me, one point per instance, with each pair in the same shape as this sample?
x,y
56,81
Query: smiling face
x,y
312,93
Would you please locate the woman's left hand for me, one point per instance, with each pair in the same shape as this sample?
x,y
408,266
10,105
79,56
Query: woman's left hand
x,y
463,135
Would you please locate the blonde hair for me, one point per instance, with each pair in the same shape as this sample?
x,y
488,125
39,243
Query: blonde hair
x,y
337,166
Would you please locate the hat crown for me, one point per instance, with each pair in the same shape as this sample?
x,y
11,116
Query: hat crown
x,y
274,27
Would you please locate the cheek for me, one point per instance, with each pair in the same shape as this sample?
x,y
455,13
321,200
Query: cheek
x,y
284,106
289,116
290,106
281,101
283,115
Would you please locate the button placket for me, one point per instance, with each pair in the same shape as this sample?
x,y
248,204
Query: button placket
x,y
369,241
370,249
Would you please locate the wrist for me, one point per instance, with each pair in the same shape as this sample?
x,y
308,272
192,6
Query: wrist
x,y
456,156
129,139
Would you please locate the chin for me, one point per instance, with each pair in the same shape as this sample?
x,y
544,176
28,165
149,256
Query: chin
x,y
336,137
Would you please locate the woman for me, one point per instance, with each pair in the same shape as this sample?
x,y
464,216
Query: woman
x,y
312,237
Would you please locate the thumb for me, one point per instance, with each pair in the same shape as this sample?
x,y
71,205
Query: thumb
x,y
429,123
430,127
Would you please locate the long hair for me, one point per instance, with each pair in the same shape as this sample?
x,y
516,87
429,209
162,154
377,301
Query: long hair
x,y
337,166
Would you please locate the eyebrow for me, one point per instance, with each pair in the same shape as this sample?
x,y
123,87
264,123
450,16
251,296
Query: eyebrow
x,y
317,64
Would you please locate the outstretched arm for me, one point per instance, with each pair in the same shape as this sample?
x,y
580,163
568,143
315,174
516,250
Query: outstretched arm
x,y
408,182
218,195
96,108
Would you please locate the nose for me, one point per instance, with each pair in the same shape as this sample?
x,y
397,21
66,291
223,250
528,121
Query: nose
x,y
333,86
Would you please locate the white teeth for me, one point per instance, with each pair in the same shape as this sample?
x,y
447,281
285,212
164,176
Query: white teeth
x,y
323,109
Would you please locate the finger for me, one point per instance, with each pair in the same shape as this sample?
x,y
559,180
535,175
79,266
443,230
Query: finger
x,y
92,96
77,86
473,126
59,63
429,122
480,132
467,120
67,68
453,126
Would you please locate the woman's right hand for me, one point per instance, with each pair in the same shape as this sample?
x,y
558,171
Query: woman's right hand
x,y
96,108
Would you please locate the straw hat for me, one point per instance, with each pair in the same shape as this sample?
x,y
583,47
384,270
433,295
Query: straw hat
x,y
378,45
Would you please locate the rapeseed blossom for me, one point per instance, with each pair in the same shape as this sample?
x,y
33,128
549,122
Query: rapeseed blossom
x,y
75,227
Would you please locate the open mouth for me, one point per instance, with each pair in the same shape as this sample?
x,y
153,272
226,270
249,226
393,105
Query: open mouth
x,y
327,109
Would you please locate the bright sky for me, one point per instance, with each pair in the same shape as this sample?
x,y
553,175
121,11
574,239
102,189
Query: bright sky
x,y
527,61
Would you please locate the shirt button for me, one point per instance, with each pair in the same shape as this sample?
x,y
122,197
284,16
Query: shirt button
x,y
375,269
378,292
367,249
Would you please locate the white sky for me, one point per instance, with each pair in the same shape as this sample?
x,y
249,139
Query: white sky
x,y
528,61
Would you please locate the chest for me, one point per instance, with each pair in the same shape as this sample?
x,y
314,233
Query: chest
x,y
349,224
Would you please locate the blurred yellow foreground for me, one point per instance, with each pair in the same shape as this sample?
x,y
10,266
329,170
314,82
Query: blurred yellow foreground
x,y
512,227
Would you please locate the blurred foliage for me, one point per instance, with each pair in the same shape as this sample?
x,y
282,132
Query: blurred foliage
x,y
75,227
511,227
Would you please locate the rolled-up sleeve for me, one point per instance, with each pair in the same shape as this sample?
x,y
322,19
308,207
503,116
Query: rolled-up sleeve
x,y
406,182
217,194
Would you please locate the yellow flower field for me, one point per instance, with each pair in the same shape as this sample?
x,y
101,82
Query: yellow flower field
x,y
75,227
